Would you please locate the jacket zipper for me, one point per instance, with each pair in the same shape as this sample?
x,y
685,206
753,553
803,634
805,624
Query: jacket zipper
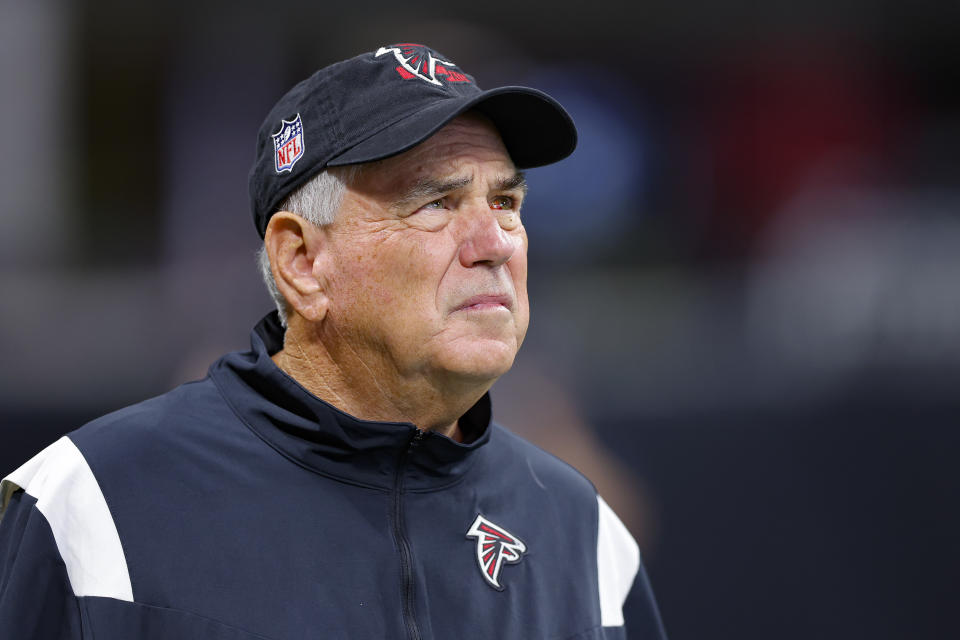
x,y
406,554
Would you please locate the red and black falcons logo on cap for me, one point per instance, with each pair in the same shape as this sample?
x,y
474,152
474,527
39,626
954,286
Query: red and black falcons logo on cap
x,y
495,547
417,61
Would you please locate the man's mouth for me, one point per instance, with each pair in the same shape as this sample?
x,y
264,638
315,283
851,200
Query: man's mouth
x,y
486,302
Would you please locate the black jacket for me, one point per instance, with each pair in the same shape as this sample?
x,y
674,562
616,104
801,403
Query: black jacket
x,y
241,506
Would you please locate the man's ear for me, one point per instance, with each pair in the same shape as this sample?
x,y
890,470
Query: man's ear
x,y
293,244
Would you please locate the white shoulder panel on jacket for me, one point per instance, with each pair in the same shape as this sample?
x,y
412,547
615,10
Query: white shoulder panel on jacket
x,y
618,560
70,499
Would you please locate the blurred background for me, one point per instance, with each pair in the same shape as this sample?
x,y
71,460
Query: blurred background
x,y
745,283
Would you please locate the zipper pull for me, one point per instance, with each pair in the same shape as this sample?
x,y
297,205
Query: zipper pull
x,y
417,437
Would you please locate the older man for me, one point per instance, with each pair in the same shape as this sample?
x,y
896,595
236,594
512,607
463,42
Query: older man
x,y
342,478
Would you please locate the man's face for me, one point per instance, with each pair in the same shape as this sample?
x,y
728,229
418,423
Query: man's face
x,y
426,263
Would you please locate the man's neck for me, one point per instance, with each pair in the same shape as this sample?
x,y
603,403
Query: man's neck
x,y
352,386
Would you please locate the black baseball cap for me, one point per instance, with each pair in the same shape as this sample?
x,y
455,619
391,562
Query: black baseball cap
x,y
385,102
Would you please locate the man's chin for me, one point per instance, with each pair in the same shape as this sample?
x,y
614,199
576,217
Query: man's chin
x,y
481,360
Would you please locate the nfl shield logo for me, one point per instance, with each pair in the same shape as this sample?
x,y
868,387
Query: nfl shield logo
x,y
288,144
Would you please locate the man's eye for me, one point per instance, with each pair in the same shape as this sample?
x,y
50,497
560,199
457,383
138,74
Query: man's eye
x,y
502,202
436,204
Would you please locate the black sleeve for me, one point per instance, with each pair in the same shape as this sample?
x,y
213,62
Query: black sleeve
x,y
640,611
36,600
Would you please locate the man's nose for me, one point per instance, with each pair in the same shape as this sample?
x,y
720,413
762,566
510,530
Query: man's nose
x,y
486,242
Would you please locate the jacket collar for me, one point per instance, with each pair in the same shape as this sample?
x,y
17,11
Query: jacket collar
x,y
324,439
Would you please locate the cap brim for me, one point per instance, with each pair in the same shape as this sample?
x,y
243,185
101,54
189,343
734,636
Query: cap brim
x,y
535,129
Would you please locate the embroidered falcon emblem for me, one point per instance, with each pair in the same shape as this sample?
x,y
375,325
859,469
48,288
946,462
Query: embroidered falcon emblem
x,y
495,547
417,61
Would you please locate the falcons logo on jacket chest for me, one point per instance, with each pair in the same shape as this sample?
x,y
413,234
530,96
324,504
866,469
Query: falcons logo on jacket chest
x,y
495,547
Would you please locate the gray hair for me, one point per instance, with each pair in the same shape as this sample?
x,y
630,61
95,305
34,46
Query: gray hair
x,y
316,201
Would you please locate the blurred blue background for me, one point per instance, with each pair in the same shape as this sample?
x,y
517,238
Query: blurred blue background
x,y
745,283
